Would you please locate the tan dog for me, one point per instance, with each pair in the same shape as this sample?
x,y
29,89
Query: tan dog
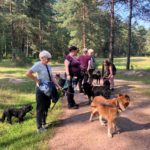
x,y
109,109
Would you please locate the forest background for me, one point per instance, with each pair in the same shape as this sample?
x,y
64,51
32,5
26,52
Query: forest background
x,y
28,26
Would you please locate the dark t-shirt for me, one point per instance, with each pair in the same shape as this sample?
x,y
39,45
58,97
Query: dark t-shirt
x,y
84,59
74,66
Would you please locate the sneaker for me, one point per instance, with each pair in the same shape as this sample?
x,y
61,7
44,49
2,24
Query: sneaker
x,y
40,130
44,126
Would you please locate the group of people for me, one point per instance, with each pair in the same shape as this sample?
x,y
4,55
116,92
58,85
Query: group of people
x,y
78,69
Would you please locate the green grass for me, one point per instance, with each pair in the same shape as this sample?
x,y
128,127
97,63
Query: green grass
x,y
140,64
21,136
24,136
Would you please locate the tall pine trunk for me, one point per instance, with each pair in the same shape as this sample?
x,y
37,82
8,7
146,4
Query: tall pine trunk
x,y
111,37
129,35
83,27
12,34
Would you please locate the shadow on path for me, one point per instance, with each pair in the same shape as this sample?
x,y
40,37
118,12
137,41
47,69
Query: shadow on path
x,y
126,124
73,119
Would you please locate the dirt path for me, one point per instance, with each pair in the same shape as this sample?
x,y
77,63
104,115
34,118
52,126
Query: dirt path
x,y
77,133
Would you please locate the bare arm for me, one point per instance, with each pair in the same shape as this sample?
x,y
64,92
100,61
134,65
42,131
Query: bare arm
x,y
30,73
111,72
67,69
89,62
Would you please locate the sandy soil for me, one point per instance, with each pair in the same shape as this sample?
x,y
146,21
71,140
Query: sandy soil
x,y
75,132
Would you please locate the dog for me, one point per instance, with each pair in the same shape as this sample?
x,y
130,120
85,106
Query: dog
x,y
92,91
102,90
16,112
97,75
109,109
61,83
87,88
60,80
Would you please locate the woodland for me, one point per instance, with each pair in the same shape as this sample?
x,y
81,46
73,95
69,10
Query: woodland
x,y
28,26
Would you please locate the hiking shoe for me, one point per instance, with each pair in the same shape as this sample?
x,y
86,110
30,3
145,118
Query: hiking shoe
x,y
40,130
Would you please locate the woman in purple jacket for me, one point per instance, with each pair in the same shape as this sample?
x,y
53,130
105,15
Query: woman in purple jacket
x,y
72,69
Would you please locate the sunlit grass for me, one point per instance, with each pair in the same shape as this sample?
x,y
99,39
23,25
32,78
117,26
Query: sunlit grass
x,y
138,63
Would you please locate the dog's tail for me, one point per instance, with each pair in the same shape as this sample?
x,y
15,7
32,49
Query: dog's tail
x,y
3,117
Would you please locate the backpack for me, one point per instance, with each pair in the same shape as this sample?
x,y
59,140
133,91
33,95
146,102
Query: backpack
x,y
114,69
92,63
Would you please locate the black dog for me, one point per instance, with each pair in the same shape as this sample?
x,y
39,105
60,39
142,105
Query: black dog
x,y
16,112
97,75
102,90
61,82
88,90
92,91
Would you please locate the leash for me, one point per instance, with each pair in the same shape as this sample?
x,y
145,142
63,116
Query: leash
x,y
52,107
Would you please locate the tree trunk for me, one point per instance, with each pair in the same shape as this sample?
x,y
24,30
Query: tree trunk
x,y
12,34
111,38
83,27
129,35
27,47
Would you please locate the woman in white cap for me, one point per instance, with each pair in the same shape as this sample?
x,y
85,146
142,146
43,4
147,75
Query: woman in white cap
x,y
91,65
44,74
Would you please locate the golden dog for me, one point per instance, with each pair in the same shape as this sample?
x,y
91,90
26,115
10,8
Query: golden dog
x,y
109,109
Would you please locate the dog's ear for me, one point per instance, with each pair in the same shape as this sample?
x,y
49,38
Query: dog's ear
x,y
57,75
127,97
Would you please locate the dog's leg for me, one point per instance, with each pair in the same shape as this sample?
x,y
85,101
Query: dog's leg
x,y
115,128
109,129
101,120
91,117
20,119
92,114
89,97
9,118
3,117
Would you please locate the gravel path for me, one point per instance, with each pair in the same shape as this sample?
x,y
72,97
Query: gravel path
x,y
77,133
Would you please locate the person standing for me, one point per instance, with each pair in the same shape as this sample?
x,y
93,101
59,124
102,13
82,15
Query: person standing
x,y
43,101
91,65
72,69
84,61
107,73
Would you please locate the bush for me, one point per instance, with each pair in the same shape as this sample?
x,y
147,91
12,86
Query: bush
x,y
22,61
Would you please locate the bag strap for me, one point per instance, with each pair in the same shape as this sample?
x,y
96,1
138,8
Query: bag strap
x,y
48,73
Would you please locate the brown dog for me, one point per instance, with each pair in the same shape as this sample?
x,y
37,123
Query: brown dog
x,y
109,109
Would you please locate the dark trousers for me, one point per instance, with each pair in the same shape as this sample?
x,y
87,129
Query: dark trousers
x,y
70,94
42,104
